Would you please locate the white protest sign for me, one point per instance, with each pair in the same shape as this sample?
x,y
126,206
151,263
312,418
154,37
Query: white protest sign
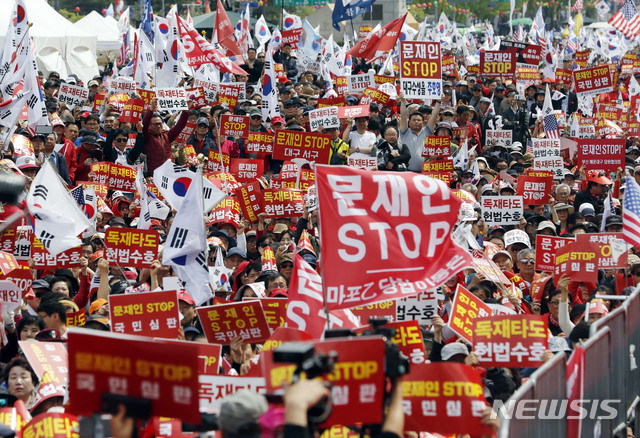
x,y
172,99
546,156
215,388
505,135
10,295
326,117
502,210
363,163
359,83
72,95
122,85
421,307
210,89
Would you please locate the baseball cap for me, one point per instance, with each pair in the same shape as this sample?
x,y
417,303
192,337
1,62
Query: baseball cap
x,y
351,99
93,82
503,252
184,296
277,119
27,162
203,121
255,112
240,412
485,100
587,210
452,349
236,251
90,139
613,220
96,305
477,87
548,225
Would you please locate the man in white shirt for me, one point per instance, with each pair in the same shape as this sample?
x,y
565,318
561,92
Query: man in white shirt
x,y
361,141
413,133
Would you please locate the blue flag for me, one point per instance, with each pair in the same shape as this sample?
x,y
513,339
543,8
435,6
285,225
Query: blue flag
x,y
343,13
147,21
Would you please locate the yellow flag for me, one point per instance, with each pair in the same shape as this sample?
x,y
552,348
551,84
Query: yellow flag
x,y
578,21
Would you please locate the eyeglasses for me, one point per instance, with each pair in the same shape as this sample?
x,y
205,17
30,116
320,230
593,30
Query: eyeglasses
x,y
528,261
156,124
554,303
121,140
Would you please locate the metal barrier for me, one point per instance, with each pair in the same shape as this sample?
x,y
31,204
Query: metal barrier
x,y
612,372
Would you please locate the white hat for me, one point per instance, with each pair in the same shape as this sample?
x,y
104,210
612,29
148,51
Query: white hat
x,y
516,236
450,350
27,162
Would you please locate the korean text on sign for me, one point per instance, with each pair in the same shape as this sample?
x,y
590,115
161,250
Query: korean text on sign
x,y
307,145
324,117
510,340
72,95
593,80
502,210
172,99
154,314
131,248
283,202
420,69
224,322
497,63
421,307
466,307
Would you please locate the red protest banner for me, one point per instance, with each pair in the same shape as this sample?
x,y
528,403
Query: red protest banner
x,y
510,340
197,96
435,166
526,53
208,356
7,263
52,425
606,259
226,211
114,176
215,164
292,37
373,95
333,101
445,398
356,379
361,222
21,278
579,261
42,259
283,202
131,247
564,75
186,132
132,111
250,200
546,247
230,93
535,190
275,311
435,146
132,366
495,63
606,154
595,80
76,319
449,65
224,322
610,112
260,143
341,86
353,111
47,357
537,288
98,99
309,145
147,96
154,314
466,307
384,309
420,69
381,79
234,126
101,189
213,389
247,169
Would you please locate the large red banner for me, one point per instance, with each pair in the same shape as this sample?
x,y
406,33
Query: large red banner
x,y
510,340
224,322
445,398
606,154
132,366
153,314
398,224
308,145
130,247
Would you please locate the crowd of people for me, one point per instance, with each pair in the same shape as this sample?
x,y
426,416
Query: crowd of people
x,y
395,135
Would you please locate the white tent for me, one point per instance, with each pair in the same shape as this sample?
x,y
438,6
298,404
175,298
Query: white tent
x,y
59,46
106,29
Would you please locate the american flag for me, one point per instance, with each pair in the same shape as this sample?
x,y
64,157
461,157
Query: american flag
x,y
627,20
577,6
631,213
550,123
78,195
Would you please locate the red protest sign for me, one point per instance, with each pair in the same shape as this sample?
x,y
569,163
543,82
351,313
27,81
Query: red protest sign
x,y
333,101
510,340
216,163
131,247
7,263
291,36
590,81
606,259
497,63
226,211
10,296
52,425
132,111
154,314
420,69
98,99
579,261
353,111
449,65
260,143
283,202
147,96
132,366
535,190
437,166
47,357
275,311
341,86
606,154
610,112
114,176
526,53
435,146
21,278
234,126
563,75
546,247
230,93
361,222
309,145
408,337
208,356
445,398
247,169
384,309
490,270
197,96
76,319
466,307
250,200
101,189
224,322
66,259
537,288
186,132
373,95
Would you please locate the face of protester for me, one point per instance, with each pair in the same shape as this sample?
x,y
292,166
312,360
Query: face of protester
x,y
71,132
286,268
526,265
278,283
391,136
92,125
61,287
120,142
415,123
20,383
155,127
250,277
562,195
562,214
554,304
50,143
109,123
188,312
255,121
233,262
29,331
503,262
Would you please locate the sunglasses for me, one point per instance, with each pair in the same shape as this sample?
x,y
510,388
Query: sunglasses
x,y
256,118
121,140
528,261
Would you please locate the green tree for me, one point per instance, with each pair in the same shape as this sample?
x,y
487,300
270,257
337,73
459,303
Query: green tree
x,y
71,16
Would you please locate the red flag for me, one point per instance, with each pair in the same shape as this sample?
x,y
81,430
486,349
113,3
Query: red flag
x,y
305,309
375,44
199,51
305,243
224,31
207,8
